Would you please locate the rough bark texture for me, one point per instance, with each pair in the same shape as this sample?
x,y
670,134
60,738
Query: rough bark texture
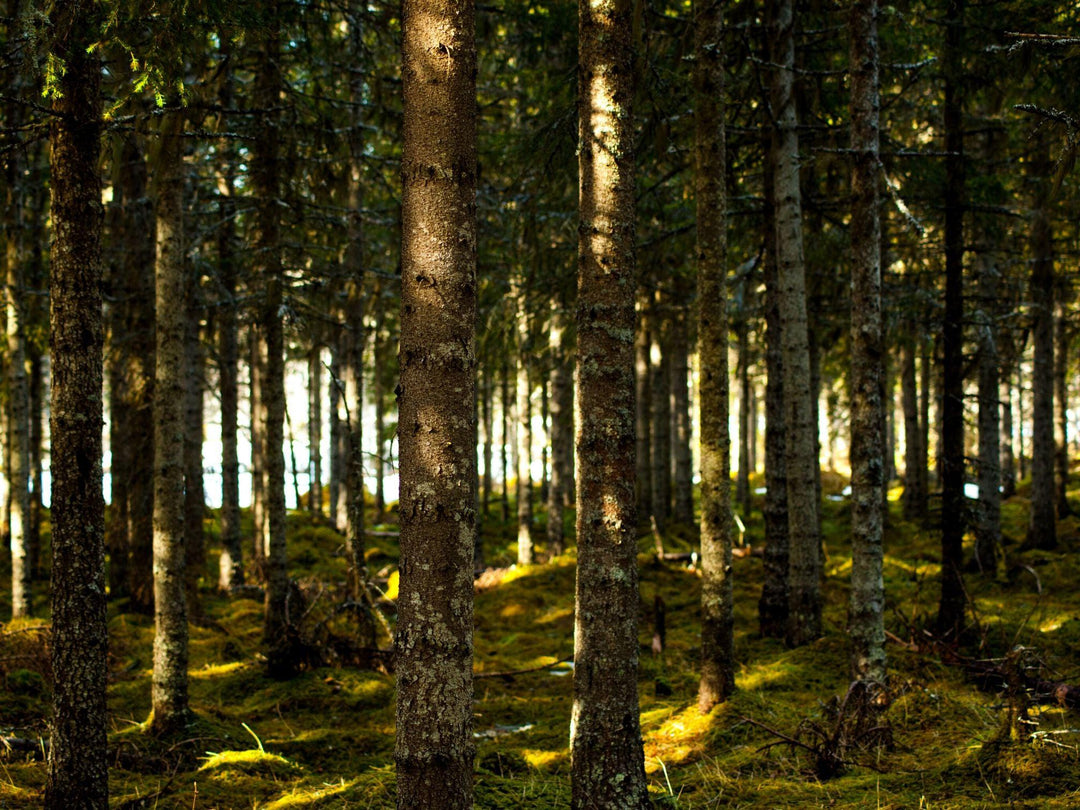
x,y
773,605
950,619
1042,530
804,560
607,760
717,618
231,564
436,431
169,696
265,180
78,767
866,625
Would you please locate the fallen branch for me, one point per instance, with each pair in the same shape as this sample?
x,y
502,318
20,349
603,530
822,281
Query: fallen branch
x,y
511,673
36,749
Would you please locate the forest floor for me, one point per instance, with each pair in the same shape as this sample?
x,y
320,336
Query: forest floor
x,y
325,738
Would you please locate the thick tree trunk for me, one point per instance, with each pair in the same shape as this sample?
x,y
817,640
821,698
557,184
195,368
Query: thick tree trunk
x,y
1042,530
683,479
265,181
436,432
562,429
169,697
950,618
607,760
804,560
717,617
866,626
78,766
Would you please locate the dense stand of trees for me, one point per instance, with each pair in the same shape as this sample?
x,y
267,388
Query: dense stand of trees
x,y
295,160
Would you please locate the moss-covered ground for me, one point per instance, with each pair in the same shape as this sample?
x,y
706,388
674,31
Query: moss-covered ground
x,y
325,738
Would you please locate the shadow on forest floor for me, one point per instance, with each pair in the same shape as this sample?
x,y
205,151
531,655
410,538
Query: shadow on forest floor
x,y
325,738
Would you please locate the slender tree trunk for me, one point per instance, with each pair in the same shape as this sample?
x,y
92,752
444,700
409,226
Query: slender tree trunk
x,y
78,765
866,626
752,428
315,384
1061,401
257,424
378,394
545,439
742,483
37,507
336,427
562,429
194,490
487,405
717,616
1042,530
926,387
18,391
804,569
607,760
170,686
950,619
643,408
1020,420
660,386
683,483
436,431
231,563
504,436
989,551
773,605
914,494
1008,459
523,455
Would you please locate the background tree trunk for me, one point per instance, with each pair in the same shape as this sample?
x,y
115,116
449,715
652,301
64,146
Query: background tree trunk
x,y
683,479
562,429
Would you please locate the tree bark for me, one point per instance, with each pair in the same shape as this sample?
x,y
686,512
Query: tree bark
x,y
989,551
607,760
257,425
1061,399
1008,458
523,456
1042,530
914,494
804,560
643,407
742,483
436,430
78,767
951,607
866,626
682,481
562,429
169,698
660,386
315,384
194,489
717,616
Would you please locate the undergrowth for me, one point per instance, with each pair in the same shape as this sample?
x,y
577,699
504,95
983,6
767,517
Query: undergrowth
x,y
325,738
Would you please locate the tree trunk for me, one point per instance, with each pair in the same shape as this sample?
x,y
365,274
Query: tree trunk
x,y
1042,530
989,551
1008,459
194,490
773,604
231,563
742,483
487,405
914,495
717,616
950,618
866,626
1061,400
265,181
436,432
523,456
607,760
378,394
683,481
169,697
660,373
804,561
562,429
505,438
78,767
643,408
257,425
315,384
